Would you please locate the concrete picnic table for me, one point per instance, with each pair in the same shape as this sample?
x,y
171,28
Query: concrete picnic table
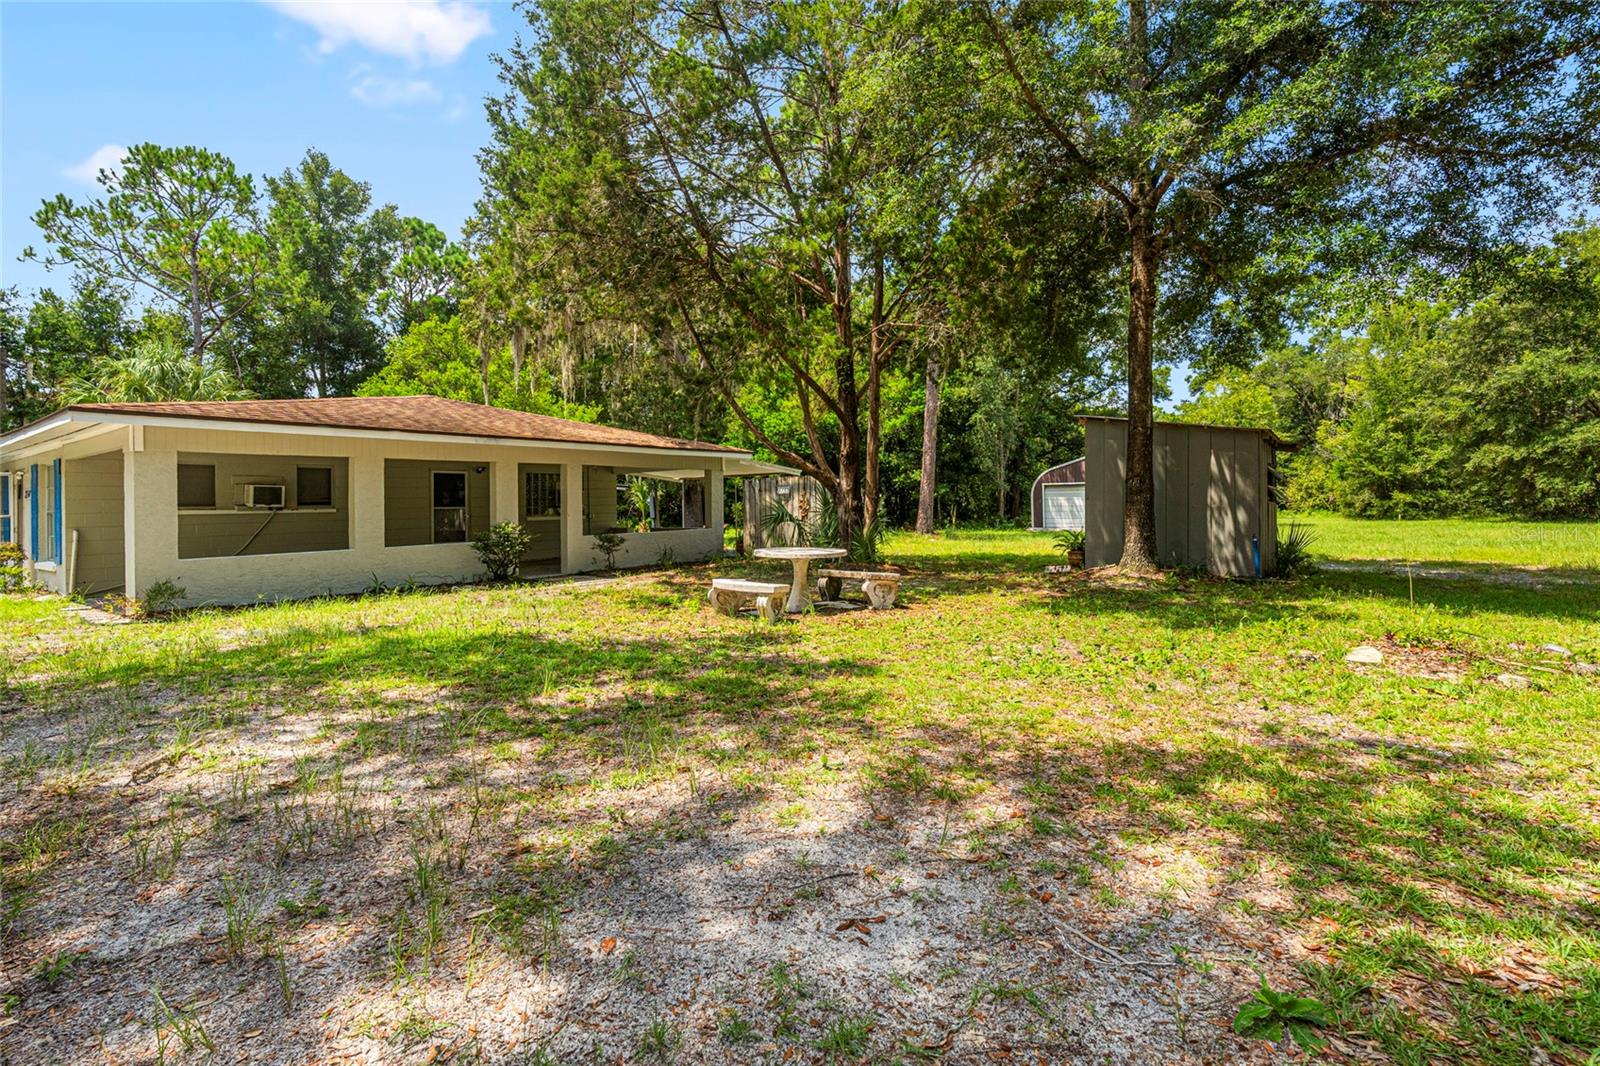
x,y
801,558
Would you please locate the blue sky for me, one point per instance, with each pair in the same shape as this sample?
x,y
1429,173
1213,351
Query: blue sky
x,y
392,92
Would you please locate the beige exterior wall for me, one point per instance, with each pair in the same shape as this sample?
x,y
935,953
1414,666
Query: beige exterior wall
x,y
134,475
1212,497
648,549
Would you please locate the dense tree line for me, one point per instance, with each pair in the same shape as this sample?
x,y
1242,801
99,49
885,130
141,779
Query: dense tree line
x,y
793,205
188,278
900,247
1476,397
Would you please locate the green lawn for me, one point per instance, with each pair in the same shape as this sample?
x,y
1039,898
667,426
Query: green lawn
x,y
1075,819
1462,541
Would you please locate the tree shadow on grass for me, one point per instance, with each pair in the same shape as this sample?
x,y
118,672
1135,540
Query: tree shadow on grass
x,y
1182,601
1469,570
1447,912
341,718
1425,861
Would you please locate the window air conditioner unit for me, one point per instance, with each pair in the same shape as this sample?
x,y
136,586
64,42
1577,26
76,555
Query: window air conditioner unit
x,y
269,496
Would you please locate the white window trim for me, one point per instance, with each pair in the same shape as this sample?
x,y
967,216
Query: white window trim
x,y
48,492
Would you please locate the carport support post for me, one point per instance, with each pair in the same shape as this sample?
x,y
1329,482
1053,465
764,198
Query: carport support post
x,y
573,551
502,492
366,504
713,507
149,516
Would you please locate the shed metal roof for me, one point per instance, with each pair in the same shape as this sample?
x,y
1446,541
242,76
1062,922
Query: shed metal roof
x,y
1272,438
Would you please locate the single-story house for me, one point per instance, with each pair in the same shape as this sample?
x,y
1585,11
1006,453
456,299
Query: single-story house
x,y
1217,495
238,501
1058,496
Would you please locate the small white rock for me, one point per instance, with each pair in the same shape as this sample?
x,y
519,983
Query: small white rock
x,y
1365,654
1556,649
1586,669
1511,680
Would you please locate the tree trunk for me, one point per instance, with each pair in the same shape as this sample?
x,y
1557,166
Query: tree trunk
x,y
930,443
1000,486
196,322
1139,489
848,496
875,348
483,365
519,346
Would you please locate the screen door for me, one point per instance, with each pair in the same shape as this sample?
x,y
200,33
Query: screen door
x,y
449,506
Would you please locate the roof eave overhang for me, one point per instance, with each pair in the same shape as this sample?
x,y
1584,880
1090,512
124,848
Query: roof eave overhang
x,y
19,437
52,431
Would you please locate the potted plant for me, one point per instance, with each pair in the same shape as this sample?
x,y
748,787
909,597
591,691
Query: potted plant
x,y
1069,542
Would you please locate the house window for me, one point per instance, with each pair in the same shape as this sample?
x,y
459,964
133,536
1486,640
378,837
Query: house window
x,y
48,493
197,485
449,506
313,486
541,494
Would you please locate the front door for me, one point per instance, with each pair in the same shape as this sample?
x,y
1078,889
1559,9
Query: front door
x,y
449,506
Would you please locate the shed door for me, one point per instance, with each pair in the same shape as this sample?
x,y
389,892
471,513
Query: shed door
x,y
1063,506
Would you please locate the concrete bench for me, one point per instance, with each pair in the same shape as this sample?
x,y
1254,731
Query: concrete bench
x,y
881,586
728,594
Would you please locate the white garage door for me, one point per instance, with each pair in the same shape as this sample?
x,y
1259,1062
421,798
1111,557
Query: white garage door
x,y
1063,506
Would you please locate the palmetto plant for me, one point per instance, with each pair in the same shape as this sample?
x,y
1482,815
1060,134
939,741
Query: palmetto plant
x,y
639,495
155,370
1294,549
817,528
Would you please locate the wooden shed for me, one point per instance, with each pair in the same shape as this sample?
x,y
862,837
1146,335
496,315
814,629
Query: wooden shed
x,y
799,495
1058,496
1216,495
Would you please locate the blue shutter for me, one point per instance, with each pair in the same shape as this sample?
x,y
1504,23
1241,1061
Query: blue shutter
x,y
33,513
5,508
56,483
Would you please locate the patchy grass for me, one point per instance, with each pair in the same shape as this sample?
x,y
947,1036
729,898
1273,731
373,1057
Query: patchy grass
x,y
1472,542
1076,818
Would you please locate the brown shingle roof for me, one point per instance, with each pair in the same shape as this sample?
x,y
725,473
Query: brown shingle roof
x,y
407,414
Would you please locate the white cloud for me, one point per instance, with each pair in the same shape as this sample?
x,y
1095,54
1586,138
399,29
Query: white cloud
x,y
420,30
106,157
378,90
